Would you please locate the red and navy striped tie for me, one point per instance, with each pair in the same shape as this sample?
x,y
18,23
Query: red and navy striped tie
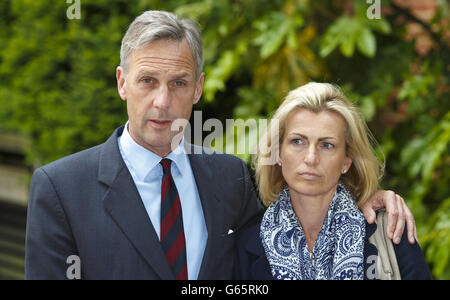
x,y
172,233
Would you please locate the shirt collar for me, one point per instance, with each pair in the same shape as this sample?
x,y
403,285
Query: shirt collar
x,y
143,161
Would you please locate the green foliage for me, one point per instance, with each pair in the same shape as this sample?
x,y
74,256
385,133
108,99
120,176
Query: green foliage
x,y
355,31
437,241
57,75
275,29
57,81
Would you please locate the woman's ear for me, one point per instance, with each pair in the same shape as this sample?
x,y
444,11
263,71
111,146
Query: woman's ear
x,y
279,161
347,164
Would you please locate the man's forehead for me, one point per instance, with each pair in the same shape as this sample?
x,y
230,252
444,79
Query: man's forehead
x,y
155,70
164,54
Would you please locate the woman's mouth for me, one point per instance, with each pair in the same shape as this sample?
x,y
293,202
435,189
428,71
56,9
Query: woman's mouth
x,y
309,176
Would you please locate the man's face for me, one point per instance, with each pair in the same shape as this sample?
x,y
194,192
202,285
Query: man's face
x,y
160,88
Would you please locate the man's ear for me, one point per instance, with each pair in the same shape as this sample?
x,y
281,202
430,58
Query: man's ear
x,y
121,83
199,88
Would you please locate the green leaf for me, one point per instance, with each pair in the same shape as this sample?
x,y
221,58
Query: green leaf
x,y
349,33
219,73
368,108
333,36
380,25
348,45
274,30
367,43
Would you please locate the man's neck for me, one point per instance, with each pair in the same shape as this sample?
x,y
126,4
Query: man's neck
x,y
162,151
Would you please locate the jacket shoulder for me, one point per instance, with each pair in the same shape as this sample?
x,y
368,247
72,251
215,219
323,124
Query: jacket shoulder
x,y
215,157
82,160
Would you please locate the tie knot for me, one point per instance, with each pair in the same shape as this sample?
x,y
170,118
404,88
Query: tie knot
x,y
166,165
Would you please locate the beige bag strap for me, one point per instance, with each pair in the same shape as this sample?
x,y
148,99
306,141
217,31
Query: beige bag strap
x,y
387,266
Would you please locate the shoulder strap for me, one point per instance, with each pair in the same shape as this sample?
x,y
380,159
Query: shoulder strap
x,y
387,266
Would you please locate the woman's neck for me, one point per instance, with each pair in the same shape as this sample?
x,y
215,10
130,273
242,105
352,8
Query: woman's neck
x,y
311,211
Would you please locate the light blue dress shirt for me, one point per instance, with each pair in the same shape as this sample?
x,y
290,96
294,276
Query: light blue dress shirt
x,y
147,174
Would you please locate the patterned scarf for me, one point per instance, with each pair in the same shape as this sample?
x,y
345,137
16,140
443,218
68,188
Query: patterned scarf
x,y
338,251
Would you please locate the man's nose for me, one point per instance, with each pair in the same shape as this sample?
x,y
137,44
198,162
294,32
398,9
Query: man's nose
x,y
162,98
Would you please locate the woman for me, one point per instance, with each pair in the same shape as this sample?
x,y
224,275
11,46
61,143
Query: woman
x,y
325,170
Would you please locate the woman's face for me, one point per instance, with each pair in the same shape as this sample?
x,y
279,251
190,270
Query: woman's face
x,y
312,154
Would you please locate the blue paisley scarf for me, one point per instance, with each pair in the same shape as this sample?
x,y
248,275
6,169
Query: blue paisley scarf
x,y
338,252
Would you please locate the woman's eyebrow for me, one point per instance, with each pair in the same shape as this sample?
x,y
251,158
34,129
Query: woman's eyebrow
x,y
306,138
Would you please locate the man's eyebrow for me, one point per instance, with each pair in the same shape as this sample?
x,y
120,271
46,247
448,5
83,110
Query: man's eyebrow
x,y
143,72
146,72
306,138
182,75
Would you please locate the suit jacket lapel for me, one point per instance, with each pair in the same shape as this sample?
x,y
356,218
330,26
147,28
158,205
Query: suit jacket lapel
x,y
212,207
125,206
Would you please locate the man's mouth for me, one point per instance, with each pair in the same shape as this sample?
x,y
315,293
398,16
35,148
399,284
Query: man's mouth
x,y
161,123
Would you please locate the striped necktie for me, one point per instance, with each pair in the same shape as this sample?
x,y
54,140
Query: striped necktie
x,y
172,233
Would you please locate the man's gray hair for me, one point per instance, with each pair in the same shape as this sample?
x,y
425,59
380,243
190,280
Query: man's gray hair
x,y
154,25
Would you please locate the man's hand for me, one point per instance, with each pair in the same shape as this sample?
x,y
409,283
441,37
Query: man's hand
x,y
397,212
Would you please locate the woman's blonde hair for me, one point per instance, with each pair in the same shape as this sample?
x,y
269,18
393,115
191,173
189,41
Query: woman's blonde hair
x,y
366,170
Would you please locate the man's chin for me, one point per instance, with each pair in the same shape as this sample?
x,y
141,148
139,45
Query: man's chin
x,y
159,143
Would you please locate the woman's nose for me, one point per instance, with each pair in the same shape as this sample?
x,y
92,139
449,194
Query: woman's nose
x,y
311,155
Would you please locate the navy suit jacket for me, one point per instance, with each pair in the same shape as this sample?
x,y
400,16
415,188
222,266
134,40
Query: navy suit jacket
x,y
87,205
252,264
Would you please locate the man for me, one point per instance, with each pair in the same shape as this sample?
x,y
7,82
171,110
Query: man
x,y
133,207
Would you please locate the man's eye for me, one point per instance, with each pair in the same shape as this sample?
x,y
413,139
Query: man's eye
x,y
147,80
328,145
179,83
297,141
